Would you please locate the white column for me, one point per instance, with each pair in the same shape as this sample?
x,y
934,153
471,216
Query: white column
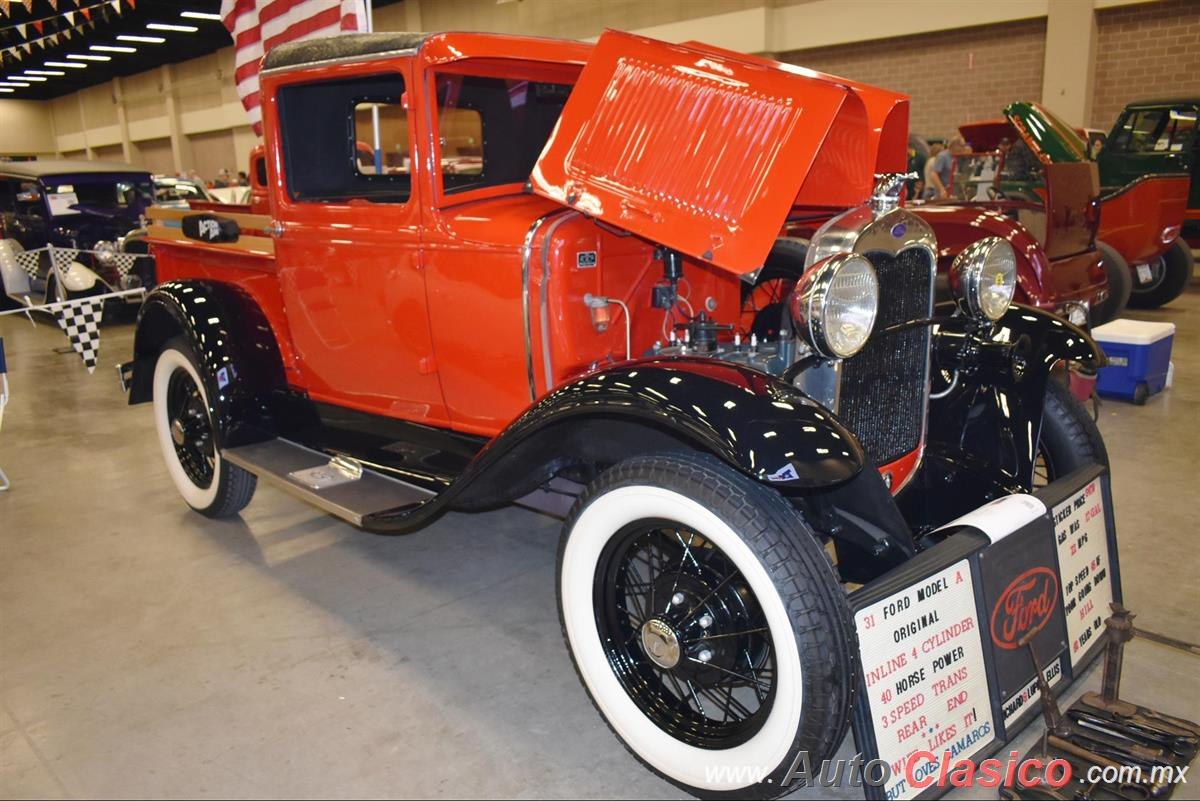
x,y
1070,61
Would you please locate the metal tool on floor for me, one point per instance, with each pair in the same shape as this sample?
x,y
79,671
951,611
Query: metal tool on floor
x,y
1116,748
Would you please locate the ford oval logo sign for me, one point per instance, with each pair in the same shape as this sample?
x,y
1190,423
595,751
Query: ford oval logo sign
x,y
1024,606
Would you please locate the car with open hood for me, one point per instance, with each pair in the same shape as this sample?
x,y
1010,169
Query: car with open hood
x,y
534,292
1024,157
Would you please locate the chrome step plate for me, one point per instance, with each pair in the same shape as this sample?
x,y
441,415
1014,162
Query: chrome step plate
x,y
311,476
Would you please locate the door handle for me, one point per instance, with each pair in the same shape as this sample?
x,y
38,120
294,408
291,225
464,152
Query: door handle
x,y
274,229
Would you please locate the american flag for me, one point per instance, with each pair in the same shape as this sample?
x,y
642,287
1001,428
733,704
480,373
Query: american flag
x,y
259,25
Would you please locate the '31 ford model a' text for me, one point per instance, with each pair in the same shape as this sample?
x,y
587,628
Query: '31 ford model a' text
x,y
534,292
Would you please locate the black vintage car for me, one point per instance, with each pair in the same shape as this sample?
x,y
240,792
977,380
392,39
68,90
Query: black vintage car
x,y
91,208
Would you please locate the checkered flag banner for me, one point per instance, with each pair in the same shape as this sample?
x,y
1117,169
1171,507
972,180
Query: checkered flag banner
x,y
80,319
62,257
30,261
124,262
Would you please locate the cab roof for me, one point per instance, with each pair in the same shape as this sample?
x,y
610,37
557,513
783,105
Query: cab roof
x,y
345,46
41,168
1165,102
442,47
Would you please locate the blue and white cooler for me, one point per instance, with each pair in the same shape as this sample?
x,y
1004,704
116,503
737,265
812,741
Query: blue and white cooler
x,y
1139,358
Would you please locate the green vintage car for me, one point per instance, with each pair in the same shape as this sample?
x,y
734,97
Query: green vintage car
x,y
1155,137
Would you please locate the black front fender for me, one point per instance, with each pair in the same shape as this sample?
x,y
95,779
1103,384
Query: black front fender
x,y
759,425
993,410
228,333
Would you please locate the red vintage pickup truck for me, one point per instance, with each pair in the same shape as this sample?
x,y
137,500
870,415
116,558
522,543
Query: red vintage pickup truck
x,y
532,291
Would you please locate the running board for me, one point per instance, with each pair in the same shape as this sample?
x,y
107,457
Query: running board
x,y
338,486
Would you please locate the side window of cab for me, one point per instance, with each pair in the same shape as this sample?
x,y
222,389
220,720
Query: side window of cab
x,y
346,140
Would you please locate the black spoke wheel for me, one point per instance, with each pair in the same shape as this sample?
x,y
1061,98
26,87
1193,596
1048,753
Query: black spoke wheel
x,y
191,429
764,303
706,623
685,634
189,439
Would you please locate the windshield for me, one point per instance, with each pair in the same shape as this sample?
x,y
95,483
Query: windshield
x,y
1155,130
98,194
178,190
492,130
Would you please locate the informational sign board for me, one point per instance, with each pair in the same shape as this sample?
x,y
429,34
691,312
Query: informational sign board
x,y
1083,556
947,672
60,203
923,669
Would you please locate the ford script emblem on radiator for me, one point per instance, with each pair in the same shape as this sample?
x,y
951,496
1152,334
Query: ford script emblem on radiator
x,y
899,230
1024,606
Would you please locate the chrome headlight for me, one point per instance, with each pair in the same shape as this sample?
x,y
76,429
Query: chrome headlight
x,y
106,253
985,277
835,304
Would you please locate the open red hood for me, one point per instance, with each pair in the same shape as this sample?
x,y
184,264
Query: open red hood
x,y
703,150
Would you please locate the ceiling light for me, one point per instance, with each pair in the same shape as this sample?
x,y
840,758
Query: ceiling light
x,y
13,82
28,78
200,15
125,37
72,64
162,26
44,72
6,89
113,49
89,58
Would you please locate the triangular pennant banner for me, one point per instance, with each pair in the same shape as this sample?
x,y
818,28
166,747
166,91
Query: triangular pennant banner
x,y
70,15
116,6
20,26
28,6
39,27
86,12
80,321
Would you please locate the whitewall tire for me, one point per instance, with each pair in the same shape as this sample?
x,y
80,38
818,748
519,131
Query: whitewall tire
x,y
188,438
706,624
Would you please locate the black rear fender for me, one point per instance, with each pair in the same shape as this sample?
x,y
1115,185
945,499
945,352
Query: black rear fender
x,y
230,337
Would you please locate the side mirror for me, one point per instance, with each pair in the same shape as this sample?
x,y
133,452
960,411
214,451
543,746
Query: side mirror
x,y
29,196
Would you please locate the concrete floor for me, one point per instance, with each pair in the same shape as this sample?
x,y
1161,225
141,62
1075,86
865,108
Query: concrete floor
x,y
148,651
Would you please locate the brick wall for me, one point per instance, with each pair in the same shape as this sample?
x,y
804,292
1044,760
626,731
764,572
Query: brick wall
x,y
1145,51
953,76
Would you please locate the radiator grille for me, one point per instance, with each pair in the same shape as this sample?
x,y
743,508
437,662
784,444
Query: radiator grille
x,y
883,386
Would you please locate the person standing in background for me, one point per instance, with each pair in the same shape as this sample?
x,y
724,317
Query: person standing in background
x,y
943,167
929,192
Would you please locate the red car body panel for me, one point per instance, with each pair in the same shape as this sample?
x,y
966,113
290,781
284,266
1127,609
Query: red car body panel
x,y
1141,219
414,310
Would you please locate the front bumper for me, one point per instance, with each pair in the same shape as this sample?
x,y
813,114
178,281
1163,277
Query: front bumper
x,y
945,665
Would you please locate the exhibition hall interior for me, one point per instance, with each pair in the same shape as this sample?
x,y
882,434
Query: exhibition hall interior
x,y
599,399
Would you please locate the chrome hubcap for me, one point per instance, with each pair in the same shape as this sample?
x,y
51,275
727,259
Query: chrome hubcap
x,y
177,434
660,643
